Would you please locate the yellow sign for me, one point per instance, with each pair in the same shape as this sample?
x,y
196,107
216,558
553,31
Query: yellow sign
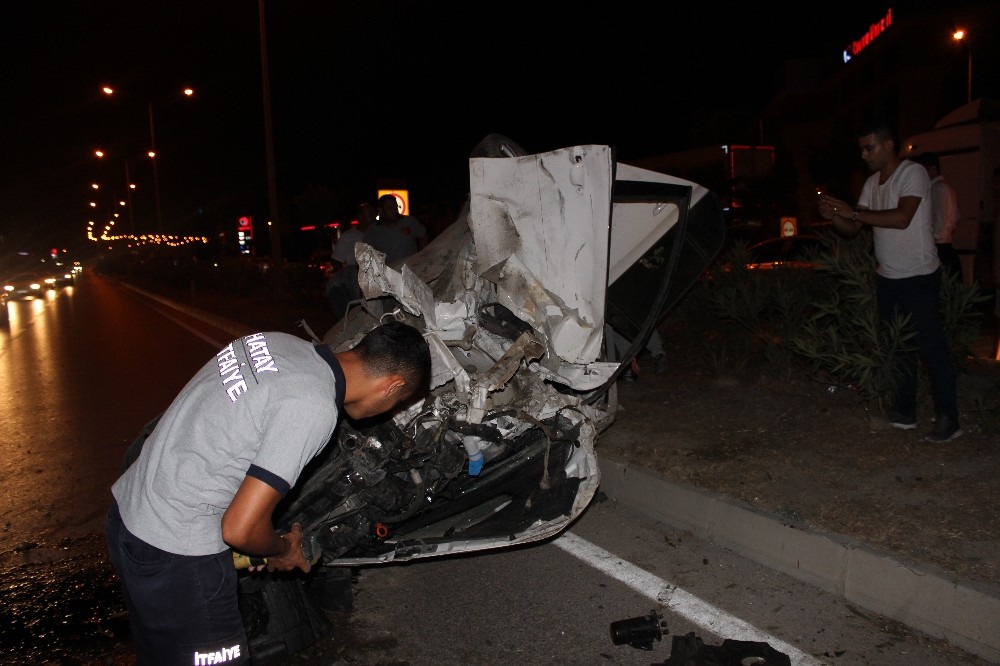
x,y
789,226
402,199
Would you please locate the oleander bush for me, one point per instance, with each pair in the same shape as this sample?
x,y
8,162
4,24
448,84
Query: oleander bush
x,y
820,323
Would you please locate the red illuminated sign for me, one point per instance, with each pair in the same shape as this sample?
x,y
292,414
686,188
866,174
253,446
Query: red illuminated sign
x,y
874,31
244,233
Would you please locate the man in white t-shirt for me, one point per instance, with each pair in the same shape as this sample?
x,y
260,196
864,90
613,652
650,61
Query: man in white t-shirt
x,y
895,203
944,212
342,288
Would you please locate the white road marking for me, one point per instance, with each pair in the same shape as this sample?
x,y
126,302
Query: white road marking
x,y
677,600
210,339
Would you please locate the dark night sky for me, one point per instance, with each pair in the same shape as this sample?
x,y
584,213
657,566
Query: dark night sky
x,y
359,91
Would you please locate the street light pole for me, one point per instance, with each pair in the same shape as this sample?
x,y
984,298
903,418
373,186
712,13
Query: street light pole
x,y
156,175
128,195
272,180
969,91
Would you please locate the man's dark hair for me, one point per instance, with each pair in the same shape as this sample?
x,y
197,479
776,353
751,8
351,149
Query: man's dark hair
x,y
882,130
930,160
387,200
395,348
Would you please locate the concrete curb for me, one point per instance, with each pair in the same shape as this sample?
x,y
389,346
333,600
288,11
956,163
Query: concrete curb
x,y
965,613
234,329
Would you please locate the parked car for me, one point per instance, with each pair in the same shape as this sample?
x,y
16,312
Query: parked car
x,y
513,299
63,275
798,252
321,262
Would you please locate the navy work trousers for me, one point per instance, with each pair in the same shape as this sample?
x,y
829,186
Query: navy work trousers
x,y
182,609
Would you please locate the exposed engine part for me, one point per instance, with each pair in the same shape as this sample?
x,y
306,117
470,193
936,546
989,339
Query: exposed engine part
x,y
372,481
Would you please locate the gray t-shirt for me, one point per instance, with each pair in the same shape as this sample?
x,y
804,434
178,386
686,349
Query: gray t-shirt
x,y
264,406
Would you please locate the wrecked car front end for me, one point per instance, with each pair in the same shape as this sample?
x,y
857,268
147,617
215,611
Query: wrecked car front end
x,y
513,299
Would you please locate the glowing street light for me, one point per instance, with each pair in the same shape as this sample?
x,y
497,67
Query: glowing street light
x,y
187,92
958,36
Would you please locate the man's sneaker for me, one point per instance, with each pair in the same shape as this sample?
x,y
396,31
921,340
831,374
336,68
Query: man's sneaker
x,y
632,374
901,421
944,430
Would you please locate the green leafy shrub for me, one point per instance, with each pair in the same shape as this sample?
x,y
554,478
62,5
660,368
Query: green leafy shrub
x,y
822,322
843,343
743,317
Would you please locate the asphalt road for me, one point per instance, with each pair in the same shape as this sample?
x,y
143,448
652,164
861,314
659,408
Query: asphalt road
x,y
553,603
83,369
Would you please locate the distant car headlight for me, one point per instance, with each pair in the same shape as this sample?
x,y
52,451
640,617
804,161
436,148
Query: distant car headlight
x,y
8,287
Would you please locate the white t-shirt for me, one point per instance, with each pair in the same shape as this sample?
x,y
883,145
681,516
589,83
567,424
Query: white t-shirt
x,y
908,252
343,249
944,210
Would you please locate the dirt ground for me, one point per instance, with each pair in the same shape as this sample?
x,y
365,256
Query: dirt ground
x,y
812,453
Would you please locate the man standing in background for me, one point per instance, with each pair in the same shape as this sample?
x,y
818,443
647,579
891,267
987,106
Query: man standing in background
x,y
895,203
397,235
944,213
342,288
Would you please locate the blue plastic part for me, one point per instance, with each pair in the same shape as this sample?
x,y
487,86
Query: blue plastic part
x,y
476,463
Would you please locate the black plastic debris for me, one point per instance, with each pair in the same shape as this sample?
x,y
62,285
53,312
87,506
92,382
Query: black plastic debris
x,y
639,632
689,650
279,618
330,588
